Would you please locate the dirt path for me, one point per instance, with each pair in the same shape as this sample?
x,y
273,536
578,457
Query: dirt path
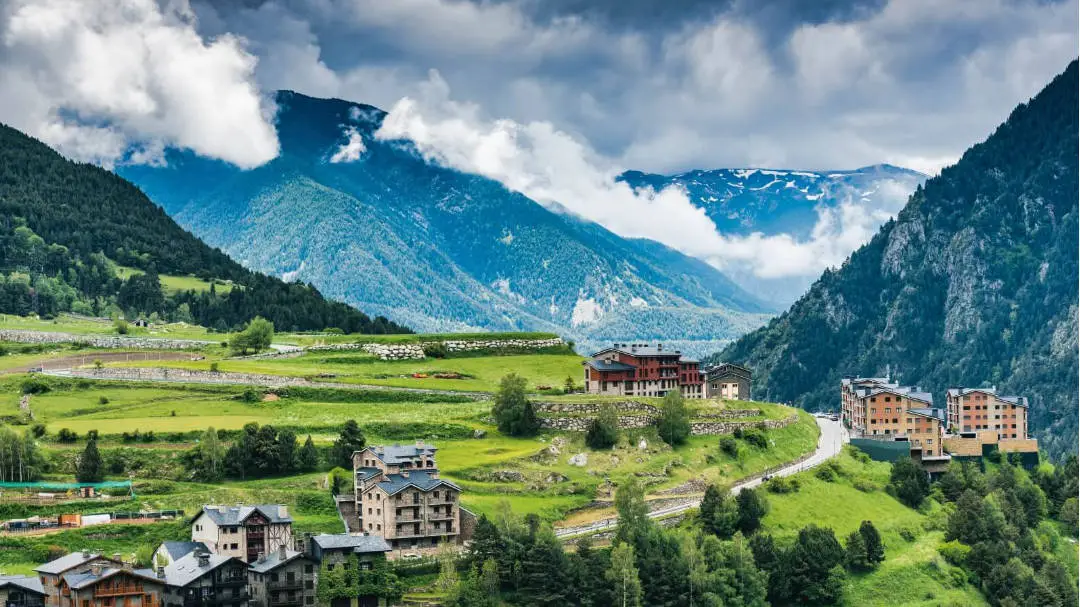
x,y
78,360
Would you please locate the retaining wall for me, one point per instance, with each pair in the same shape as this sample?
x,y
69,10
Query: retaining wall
x,y
581,424
410,351
101,341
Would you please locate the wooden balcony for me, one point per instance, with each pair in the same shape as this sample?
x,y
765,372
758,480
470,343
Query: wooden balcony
x,y
122,590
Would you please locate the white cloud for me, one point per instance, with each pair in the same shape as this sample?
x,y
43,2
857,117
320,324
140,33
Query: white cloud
x,y
98,76
352,149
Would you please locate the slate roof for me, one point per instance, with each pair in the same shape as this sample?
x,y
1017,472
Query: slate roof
x,y
186,569
608,365
236,515
1021,401
933,412
364,474
87,578
904,391
423,480
176,550
33,584
273,560
639,350
398,454
66,562
358,543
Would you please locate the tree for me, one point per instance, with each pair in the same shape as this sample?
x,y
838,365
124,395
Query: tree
x,y
448,577
513,412
855,557
340,480
673,425
568,385
624,576
752,508
603,431
90,468
810,567
633,512
875,549
350,440
210,457
951,484
256,336
489,577
908,482
719,512
286,451
1070,514
308,459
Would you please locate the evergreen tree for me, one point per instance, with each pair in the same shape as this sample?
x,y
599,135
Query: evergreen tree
x,y
855,557
350,440
623,576
514,414
673,425
951,484
633,512
309,456
288,458
752,508
908,482
875,549
545,578
809,567
603,432
90,468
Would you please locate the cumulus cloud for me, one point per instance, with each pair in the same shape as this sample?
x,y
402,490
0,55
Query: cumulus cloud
x,y
101,79
351,150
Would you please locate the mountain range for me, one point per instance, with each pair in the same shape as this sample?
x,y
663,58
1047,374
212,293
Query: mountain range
x,y
372,223
974,284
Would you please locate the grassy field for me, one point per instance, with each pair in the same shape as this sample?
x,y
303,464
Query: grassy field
x,y
913,573
477,373
66,323
173,283
319,339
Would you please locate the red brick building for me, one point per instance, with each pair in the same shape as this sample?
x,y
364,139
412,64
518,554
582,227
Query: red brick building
x,y
642,370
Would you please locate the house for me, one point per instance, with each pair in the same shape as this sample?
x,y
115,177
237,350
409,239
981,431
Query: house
x,y
21,591
51,573
203,579
168,552
335,550
874,407
975,409
642,370
727,380
283,578
400,497
109,586
243,531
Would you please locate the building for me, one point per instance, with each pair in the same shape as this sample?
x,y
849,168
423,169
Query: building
x,y
243,531
168,552
979,444
283,578
727,380
105,586
874,407
975,409
400,496
335,550
51,574
21,591
642,370
203,579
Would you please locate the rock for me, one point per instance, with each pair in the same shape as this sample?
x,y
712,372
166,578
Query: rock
x,y
643,445
553,449
507,476
580,460
554,478
478,433
614,460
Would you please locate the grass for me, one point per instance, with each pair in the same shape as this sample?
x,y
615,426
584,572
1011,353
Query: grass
x,y
173,283
316,339
480,373
78,325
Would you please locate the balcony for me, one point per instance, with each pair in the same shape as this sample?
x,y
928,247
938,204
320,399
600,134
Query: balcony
x,y
296,584
122,590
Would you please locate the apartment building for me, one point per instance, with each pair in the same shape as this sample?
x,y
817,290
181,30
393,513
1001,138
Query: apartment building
x,y
400,497
874,407
642,370
728,381
977,409
243,531
283,578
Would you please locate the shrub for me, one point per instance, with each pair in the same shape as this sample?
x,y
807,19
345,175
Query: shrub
x,y
755,437
729,445
91,435
825,473
35,386
435,349
215,367
122,327
864,485
251,395
907,533
38,430
66,435
603,431
954,552
103,400
782,484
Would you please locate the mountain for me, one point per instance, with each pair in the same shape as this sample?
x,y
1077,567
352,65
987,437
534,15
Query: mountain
x,y
372,223
974,283
64,228
773,202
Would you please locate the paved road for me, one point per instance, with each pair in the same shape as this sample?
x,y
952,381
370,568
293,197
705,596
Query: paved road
x,y
833,436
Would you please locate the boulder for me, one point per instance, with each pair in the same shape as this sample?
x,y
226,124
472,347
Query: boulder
x,y
478,433
580,460
643,445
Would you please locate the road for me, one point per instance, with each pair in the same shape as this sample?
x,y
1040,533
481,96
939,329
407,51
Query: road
x,y
833,436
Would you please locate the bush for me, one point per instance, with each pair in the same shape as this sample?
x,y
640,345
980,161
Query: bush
x,y
67,436
513,412
825,473
215,367
103,400
782,484
122,327
35,386
729,445
908,534
954,552
864,485
603,431
38,430
91,435
435,349
251,395
755,437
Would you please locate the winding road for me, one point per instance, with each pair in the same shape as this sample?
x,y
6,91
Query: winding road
x,y
830,442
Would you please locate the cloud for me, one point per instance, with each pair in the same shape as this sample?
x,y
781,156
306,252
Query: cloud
x,y
99,79
352,149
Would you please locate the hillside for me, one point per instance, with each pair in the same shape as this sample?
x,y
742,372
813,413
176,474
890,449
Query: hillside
x,y
773,202
974,283
68,232
435,248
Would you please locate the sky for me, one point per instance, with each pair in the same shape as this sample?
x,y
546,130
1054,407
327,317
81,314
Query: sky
x,y
553,98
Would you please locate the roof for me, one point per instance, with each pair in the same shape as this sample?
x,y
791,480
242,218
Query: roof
x,y
398,454
68,561
639,350
938,414
849,381
273,560
608,365
1020,401
903,391
364,474
33,584
186,569
721,368
87,578
424,480
236,515
176,550
358,543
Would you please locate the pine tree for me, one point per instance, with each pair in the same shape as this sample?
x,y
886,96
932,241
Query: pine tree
x,y
309,456
623,574
513,412
90,468
673,425
350,440
875,549
855,556
752,508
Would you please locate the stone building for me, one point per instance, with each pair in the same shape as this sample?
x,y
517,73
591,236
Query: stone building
x,y
642,370
727,380
243,531
105,586
21,591
168,552
203,579
283,578
335,550
976,409
400,497
51,574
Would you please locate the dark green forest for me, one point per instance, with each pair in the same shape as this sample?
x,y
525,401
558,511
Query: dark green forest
x,y
973,284
64,226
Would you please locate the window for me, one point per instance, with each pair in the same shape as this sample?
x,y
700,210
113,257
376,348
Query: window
x,y
309,568
273,577
235,546
436,494
309,600
369,510
887,399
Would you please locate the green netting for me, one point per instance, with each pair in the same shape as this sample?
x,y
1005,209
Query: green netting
x,y
881,450
60,485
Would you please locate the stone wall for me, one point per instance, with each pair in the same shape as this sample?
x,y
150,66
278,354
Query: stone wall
x,y
719,427
732,414
581,424
101,341
594,408
415,351
187,375
700,427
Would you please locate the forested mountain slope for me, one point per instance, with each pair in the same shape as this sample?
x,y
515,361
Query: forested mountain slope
x,y
974,283
65,226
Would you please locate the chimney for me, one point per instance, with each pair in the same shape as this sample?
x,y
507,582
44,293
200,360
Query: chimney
x,y
87,554
262,557
404,473
118,557
161,573
95,569
283,511
203,558
659,347
419,443
283,552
